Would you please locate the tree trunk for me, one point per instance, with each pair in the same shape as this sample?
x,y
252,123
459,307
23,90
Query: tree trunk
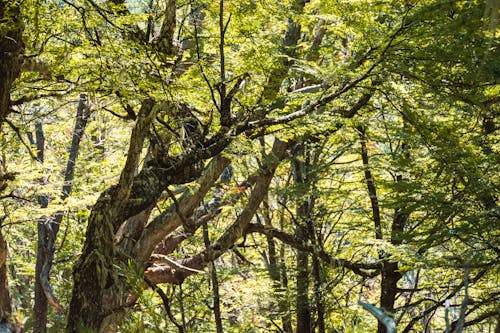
x,y
389,272
94,272
5,301
49,227
97,290
134,229
215,283
40,307
286,314
276,269
301,232
390,278
11,49
318,282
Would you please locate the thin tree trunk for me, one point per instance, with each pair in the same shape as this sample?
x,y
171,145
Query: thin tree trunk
x,y
48,227
5,301
215,284
301,232
41,307
389,272
286,316
275,270
302,300
318,282
370,184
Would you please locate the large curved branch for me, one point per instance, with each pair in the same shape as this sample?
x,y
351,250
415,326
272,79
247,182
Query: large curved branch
x,y
144,118
169,220
203,215
168,274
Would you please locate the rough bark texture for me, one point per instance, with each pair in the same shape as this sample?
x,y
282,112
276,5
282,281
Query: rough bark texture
x,y
169,220
94,272
136,241
166,274
165,42
11,49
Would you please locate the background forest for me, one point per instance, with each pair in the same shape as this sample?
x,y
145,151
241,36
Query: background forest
x,y
249,166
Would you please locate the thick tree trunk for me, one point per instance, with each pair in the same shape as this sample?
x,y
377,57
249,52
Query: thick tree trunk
x,y
11,49
389,288
95,294
94,272
134,240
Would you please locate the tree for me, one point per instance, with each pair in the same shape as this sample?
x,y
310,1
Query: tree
x,y
372,177
11,44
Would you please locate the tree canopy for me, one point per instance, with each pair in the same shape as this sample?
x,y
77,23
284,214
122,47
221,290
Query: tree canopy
x,y
249,166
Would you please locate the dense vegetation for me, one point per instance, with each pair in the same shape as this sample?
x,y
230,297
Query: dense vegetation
x,y
249,166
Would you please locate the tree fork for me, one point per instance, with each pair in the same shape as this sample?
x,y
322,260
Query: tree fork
x,y
94,272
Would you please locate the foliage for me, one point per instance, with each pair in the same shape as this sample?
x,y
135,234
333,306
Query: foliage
x,y
412,84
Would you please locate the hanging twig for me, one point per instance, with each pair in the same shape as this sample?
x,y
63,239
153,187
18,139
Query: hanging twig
x,y
166,303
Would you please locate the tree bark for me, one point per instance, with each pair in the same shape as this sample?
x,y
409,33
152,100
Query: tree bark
x,y
5,301
215,284
276,269
11,50
48,227
303,307
94,272
40,308
167,274
390,274
388,290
